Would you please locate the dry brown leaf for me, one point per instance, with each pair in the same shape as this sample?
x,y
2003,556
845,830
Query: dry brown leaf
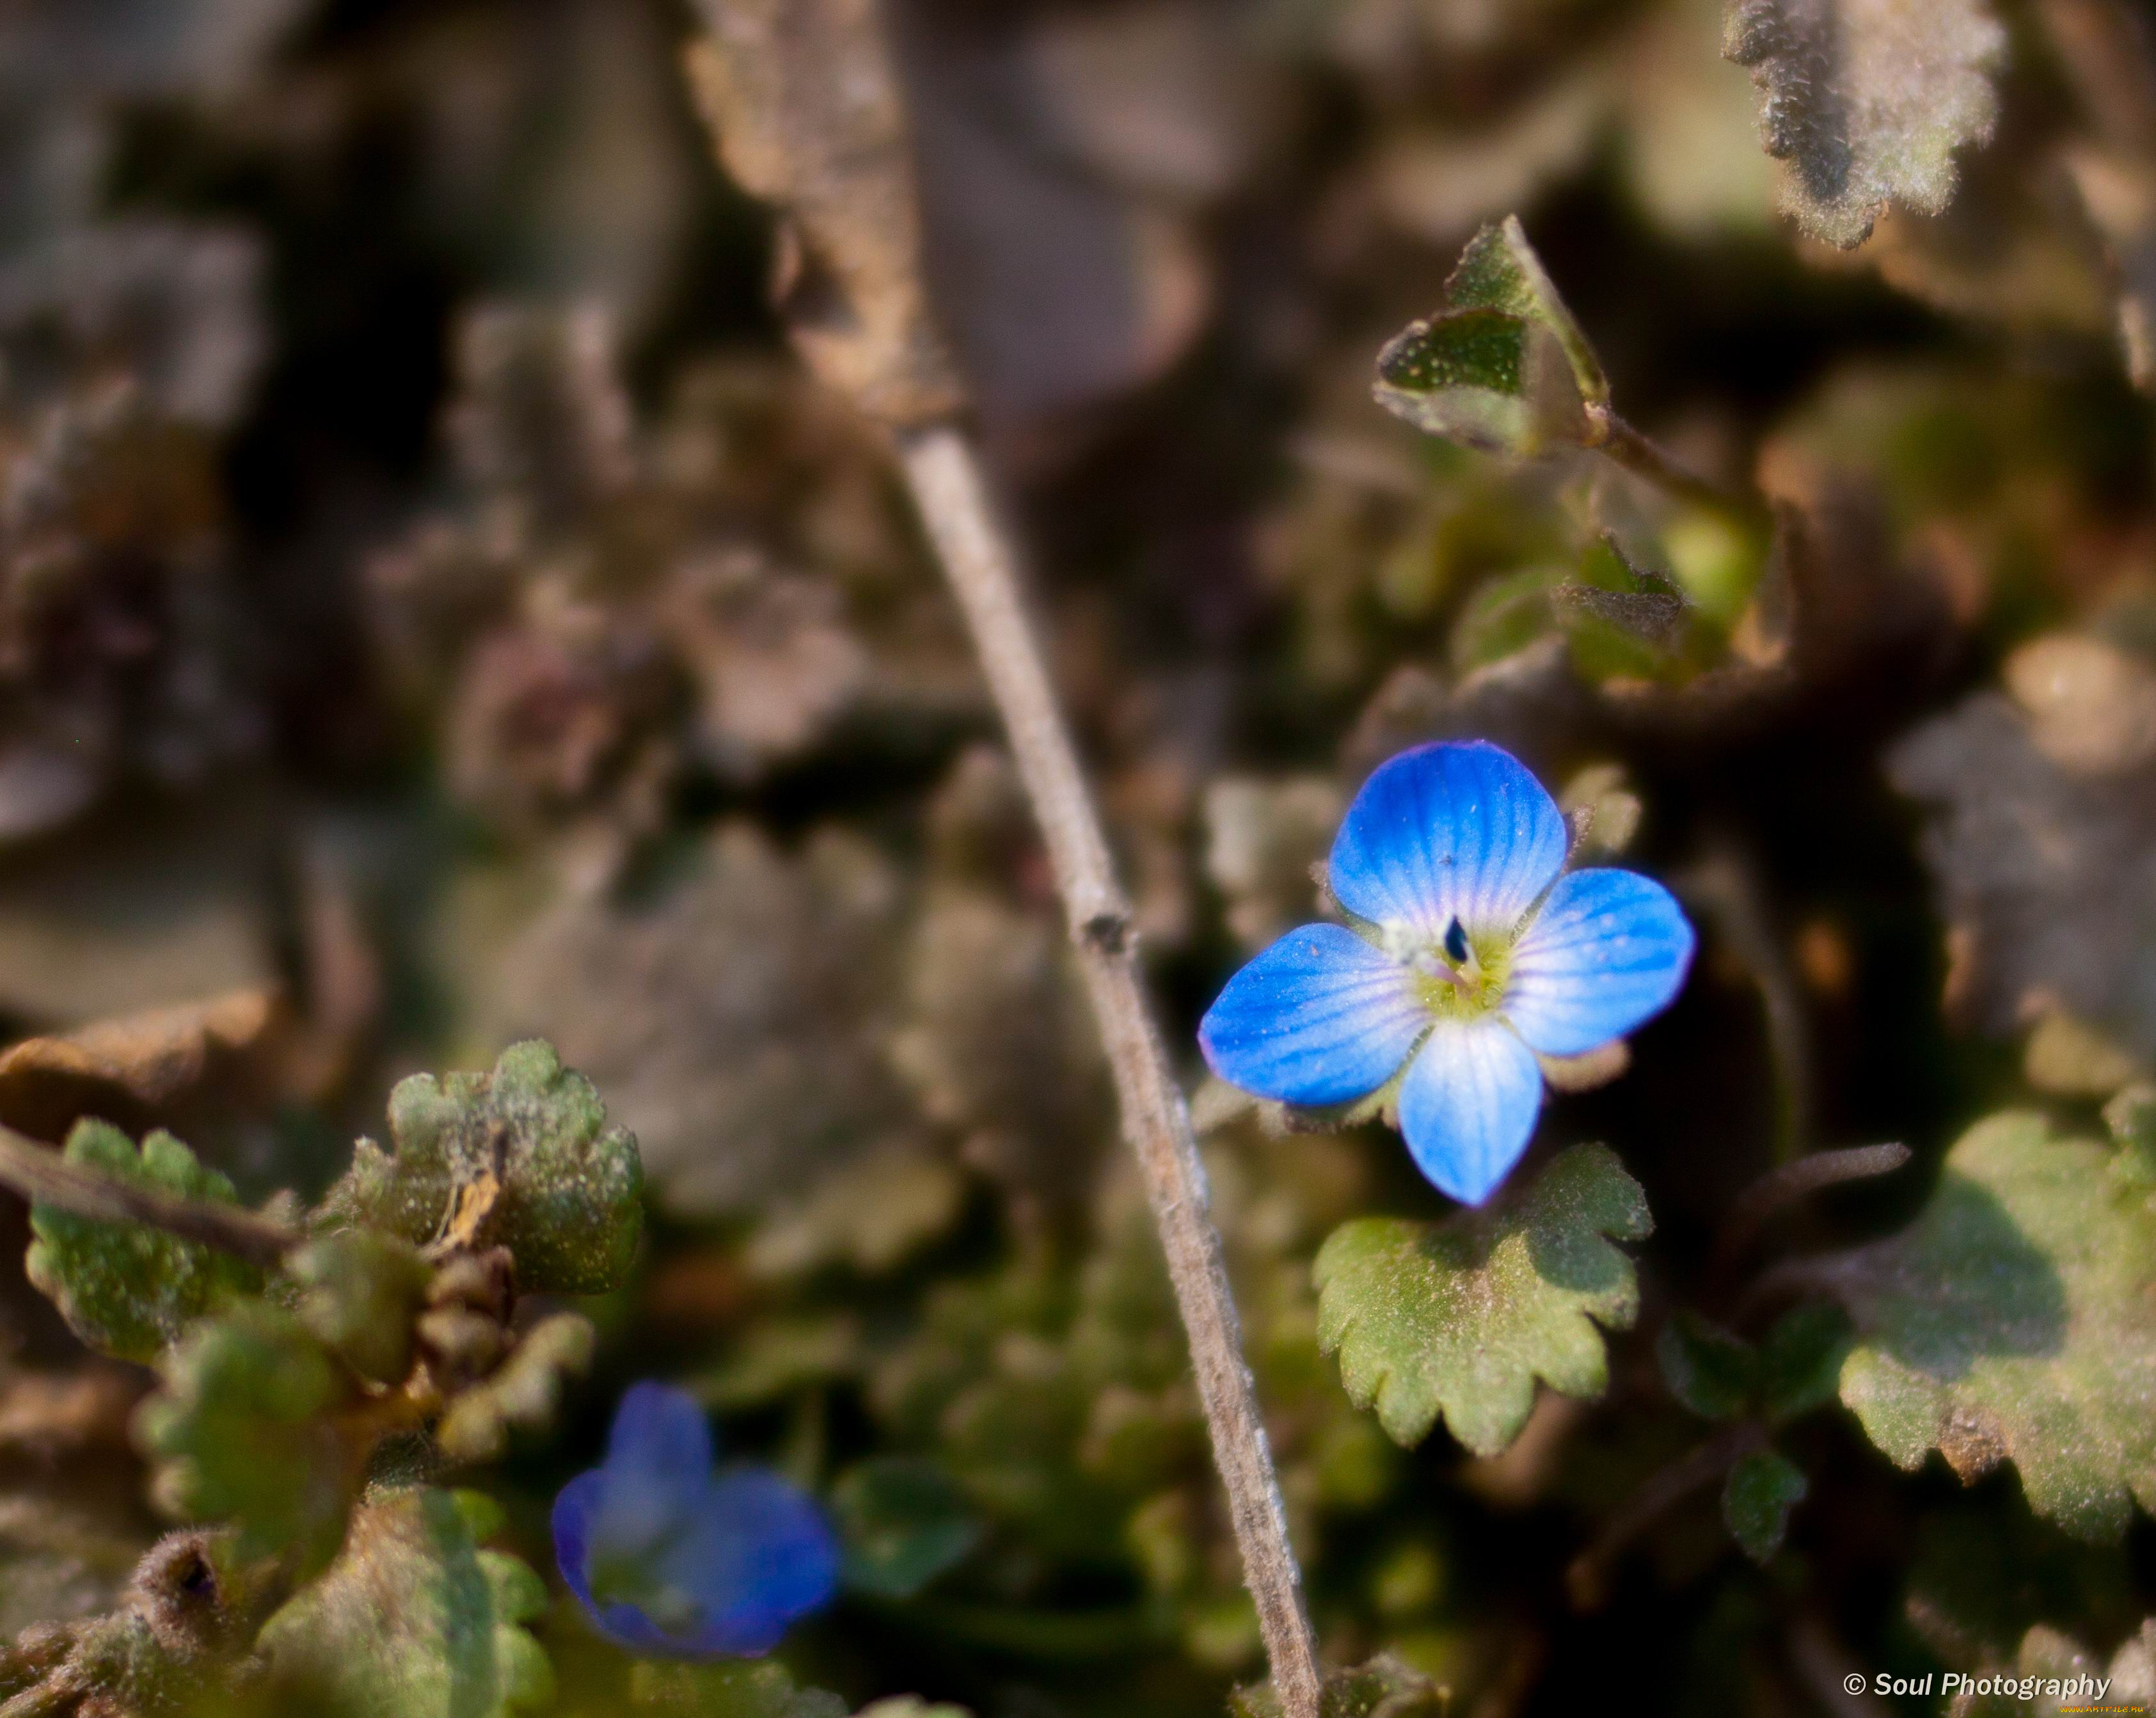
x,y
735,1012
2106,50
1262,838
2046,872
130,1069
774,661
1060,154
804,100
1866,102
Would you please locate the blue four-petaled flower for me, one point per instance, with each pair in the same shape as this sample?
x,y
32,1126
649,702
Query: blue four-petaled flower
x,y
670,1557
1471,949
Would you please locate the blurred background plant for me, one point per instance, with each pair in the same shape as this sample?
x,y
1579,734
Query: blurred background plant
x,y
438,612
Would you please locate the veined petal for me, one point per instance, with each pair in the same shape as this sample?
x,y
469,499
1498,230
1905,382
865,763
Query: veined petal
x,y
1608,949
1468,1106
1446,831
1319,1017
761,1557
658,1467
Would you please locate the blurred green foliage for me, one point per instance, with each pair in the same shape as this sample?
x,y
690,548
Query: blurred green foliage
x,y
124,1288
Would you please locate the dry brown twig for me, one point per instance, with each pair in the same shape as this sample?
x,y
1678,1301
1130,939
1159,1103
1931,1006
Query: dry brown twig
x,y
41,1174
805,105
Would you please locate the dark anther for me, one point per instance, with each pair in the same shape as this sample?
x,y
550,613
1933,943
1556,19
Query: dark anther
x,y
1456,943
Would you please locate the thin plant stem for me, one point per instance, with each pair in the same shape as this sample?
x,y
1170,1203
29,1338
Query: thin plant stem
x,y
41,1174
1587,1580
945,475
1637,453
1784,1185
1726,886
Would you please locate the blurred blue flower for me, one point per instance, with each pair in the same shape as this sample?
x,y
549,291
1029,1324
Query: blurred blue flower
x,y
671,1557
1471,949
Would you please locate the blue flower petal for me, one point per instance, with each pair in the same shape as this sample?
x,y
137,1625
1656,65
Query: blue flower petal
x,y
1446,831
658,1466
1319,1017
761,1557
659,1430
1468,1106
1608,949
575,1510
718,1564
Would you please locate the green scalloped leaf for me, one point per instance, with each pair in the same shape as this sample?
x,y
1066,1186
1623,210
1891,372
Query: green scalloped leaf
x,y
525,1152
240,1433
1866,102
360,1292
743,1689
1711,1373
1762,1488
1461,1317
1503,367
1499,272
414,1619
126,1288
2012,1321
1800,1361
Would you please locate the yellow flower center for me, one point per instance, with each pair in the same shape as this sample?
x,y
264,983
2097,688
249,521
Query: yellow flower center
x,y
1462,975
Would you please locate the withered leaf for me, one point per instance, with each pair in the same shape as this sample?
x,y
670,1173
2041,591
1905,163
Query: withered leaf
x,y
135,1066
1867,100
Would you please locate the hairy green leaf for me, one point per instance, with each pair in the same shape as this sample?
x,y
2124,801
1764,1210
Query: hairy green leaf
x,y
1382,1688
523,1156
127,1288
413,1618
1499,272
1983,1570
2060,1675
167,1647
741,1689
1866,101
239,1433
2011,1320
1800,1361
1503,367
1709,1370
1757,1498
1461,1317
360,1292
